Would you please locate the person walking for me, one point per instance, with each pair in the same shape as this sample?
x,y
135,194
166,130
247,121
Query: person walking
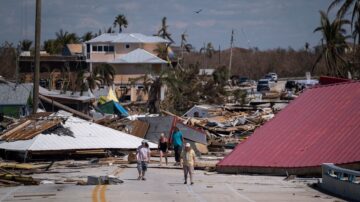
x,y
143,158
177,141
163,148
188,161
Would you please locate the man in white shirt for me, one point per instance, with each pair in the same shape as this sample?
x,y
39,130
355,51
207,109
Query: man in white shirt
x,y
143,158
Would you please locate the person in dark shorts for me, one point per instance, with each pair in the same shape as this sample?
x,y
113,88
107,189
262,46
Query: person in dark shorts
x,y
143,158
177,141
163,148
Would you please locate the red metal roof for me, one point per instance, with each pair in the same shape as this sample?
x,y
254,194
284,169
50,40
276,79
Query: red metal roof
x,y
320,126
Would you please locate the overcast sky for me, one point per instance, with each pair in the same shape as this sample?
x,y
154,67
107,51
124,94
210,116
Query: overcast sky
x,y
265,24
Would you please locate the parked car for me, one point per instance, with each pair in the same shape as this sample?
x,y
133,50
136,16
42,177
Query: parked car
x,y
269,77
263,85
243,81
290,85
274,76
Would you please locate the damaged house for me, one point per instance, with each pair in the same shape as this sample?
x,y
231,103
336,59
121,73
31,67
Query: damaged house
x,y
62,134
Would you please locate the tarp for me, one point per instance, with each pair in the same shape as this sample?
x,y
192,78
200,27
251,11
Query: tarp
x,y
113,107
111,96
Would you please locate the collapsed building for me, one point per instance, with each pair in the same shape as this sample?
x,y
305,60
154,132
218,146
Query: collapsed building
x,y
62,134
320,126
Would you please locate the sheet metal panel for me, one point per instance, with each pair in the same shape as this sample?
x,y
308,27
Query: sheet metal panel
x,y
127,38
139,56
86,135
322,125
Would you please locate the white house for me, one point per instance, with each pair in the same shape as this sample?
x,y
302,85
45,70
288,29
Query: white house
x,y
131,54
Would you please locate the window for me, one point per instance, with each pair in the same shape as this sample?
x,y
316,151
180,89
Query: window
x,y
103,48
127,46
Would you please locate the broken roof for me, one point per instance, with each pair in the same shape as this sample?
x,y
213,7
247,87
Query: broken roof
x,y
76,134
139,56
75,48
204,111
15,94
127,38
163,124
86,97
321,125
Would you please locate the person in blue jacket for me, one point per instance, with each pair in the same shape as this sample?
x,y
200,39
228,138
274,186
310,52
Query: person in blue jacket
x,y
177,141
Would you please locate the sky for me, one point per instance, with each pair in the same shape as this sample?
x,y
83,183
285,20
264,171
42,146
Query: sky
x,y
265,24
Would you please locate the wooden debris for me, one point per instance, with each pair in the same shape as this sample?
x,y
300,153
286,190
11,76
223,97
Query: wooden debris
x,y
29,129
34,195
139,128
19,178
23,166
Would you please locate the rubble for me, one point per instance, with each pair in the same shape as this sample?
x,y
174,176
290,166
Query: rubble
x,y
63,134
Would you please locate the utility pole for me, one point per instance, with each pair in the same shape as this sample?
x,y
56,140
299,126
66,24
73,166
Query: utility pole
x,y
18,51
231,51
37,56
219,55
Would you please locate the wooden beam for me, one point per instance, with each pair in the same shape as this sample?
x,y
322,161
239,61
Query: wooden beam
x,y
66,108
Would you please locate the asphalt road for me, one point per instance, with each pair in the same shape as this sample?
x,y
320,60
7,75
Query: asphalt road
x,y
167,185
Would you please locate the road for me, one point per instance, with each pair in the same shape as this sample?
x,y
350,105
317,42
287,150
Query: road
x,y
167,185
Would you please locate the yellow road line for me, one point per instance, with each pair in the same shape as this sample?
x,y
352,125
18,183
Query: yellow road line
x,y
102,188
102,193
95,193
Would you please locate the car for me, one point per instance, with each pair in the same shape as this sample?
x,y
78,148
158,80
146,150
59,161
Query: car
x,y
274,76
290,85
243,81
263,85
269,77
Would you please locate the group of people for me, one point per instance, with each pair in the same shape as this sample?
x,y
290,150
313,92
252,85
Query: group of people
x,y
184,157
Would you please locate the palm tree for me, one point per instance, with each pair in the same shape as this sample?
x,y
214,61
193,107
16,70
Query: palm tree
x,y
120,21
25,45
208,51
50,46
345,7
184,47
333,45
87,36
106,72
162,51
109,30
64,37
86,80
163,31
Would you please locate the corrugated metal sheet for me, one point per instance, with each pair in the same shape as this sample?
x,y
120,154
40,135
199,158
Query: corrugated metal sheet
x,y
85,135
139,56
163,124
15,94
322,125
127,38
158,125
